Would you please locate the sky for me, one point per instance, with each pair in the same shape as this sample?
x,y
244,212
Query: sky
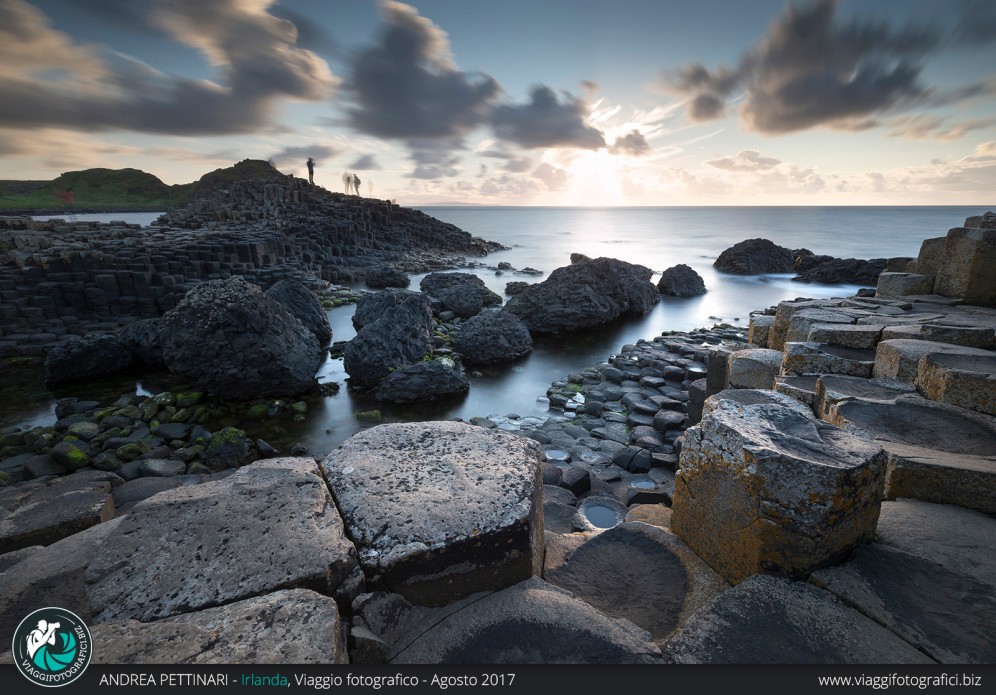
x,y
517,102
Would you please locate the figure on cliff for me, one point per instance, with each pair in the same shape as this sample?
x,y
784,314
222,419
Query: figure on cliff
x,y
311,171
356,183
347,181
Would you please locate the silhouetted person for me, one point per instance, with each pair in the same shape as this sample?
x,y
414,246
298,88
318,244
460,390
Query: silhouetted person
x,y
347,181
356,183
311,171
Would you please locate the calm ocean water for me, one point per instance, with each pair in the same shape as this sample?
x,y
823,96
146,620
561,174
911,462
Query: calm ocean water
x,y
544,238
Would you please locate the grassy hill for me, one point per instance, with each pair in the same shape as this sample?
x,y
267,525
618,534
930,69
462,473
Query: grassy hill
x,y
120,189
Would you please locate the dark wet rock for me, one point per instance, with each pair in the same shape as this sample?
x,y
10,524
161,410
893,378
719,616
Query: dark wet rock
x,y
302,304
770,620
232,340
440,510
45,511
640,573
295,626
395,331
920,600
516,287
576,479
423,381
228,448
585,294
172,430
86,357
144,339
844,270
163,468
634,459
384,276
492,337
532,622
681,281
268,526
755,257
462,293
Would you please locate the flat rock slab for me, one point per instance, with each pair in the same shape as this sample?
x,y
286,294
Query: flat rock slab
x,y
819,358
962,540
530,623
900,358
834,388
754,368
440,510
801,388
43,512
271,525
641,573
770,620
967,381
295,626
757,397
52,576
764,489
947,615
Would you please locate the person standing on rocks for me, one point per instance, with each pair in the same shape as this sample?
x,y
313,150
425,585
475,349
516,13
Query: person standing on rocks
x,y
311,171
347,181
356,183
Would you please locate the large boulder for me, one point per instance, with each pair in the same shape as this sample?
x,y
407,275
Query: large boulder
x,y
86,357
844,270
399,334
754,257
422,381
440,510
462,293
766,489
145,341
585,294
383,276
232,340
492,337
271,525
300,303
681,281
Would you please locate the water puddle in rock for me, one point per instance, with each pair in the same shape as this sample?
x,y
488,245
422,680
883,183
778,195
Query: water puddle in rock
x,y
600,515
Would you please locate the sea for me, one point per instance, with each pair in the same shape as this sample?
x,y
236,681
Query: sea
x,y
543,238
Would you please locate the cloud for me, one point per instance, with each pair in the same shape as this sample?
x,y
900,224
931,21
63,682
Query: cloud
x,y
434,158
924,127
365,162
552,177
253,52
632,143
514,163
745,160
546,121
301,153
810,70
407,86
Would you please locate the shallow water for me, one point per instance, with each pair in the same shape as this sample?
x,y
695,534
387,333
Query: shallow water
x,y
544,238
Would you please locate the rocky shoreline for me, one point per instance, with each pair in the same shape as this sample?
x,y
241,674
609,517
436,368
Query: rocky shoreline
x,y
820,489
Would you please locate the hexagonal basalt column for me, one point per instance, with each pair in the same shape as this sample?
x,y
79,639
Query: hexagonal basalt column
x,y
440,510
765,489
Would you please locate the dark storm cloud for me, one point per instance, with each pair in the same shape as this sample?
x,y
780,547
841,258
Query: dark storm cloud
x,y
811,70
434,159
546,121
254,53
365,162
632,143
406,85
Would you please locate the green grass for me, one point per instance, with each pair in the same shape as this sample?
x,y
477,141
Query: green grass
x,y
121,189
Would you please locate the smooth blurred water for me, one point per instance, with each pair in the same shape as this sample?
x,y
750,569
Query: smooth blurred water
x,y
142,218
544,238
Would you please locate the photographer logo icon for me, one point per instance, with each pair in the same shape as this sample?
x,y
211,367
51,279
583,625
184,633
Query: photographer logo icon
x,y
52,647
